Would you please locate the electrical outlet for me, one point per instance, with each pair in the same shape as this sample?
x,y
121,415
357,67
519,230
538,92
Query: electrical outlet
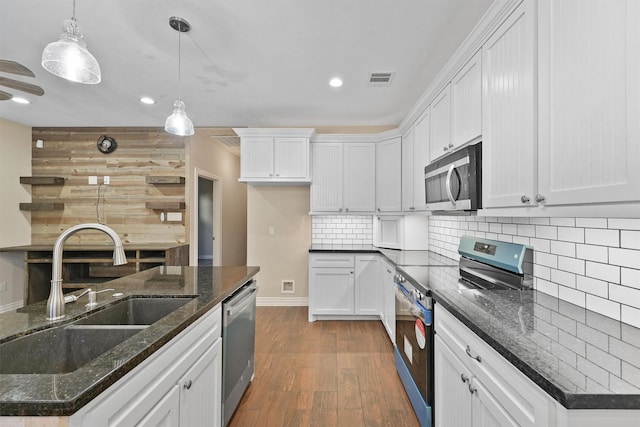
x,y
93,180
288,287
106,180
3,286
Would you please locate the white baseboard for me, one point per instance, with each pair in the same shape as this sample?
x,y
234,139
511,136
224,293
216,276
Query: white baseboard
x,y
11,306
282,301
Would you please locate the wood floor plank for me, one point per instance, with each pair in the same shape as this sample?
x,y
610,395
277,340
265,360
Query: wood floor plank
x,y
325,409
348,389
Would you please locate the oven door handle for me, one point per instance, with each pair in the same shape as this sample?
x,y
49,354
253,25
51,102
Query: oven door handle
x,y
447,184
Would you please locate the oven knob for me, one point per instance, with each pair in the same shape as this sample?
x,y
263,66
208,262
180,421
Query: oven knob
x,y
401,279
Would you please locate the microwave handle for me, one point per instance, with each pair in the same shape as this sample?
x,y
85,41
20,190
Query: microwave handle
x,y
447,184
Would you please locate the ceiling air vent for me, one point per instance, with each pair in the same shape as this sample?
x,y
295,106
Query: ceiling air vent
x,y
381,79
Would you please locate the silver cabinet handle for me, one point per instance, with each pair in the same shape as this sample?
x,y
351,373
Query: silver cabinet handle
x,y
447,184
188,385
445,148
340,209
450,145
464,378
539,198
277,174
472,389
476,357
378,209
525,200
346,210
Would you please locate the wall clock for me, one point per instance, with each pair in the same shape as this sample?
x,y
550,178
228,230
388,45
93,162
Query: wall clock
x,y
106,144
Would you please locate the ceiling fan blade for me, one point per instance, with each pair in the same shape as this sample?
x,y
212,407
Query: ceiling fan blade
x,y
22,86
5,96
13,67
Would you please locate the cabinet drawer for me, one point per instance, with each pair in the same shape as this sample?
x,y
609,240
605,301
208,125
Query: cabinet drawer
x,y
332,260
523,400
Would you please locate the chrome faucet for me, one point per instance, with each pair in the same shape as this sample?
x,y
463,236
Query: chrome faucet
x,y
55,303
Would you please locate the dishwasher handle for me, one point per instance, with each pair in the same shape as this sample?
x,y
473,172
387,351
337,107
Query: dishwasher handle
x,y
241,300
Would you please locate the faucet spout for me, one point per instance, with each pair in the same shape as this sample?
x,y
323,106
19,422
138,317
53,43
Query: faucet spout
x,y
55,303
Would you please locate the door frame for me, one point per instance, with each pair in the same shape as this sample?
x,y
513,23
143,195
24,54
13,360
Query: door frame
x,y
217,217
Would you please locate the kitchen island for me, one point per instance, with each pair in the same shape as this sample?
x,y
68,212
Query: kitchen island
x,y
63,394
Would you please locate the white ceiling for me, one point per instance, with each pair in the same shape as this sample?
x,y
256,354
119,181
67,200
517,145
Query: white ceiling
x,y
257,63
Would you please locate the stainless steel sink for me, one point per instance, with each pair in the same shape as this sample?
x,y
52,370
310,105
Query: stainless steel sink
x,y
135,311
61,350
65,348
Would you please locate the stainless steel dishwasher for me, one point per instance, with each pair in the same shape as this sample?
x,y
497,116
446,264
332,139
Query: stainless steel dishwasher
x,y
238,346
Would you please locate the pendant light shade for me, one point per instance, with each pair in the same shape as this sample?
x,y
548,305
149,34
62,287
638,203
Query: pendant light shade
x,y
69,58
178,123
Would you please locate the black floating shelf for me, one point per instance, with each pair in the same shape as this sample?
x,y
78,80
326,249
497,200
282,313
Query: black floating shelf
x,y
42,180
165,180
165,205
42,206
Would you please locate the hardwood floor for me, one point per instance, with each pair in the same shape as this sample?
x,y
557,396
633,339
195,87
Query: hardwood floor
x,y
325,373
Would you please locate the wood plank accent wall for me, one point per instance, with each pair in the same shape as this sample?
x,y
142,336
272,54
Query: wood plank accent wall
x,y
72,153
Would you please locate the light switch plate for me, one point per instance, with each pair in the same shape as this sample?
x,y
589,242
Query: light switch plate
x,y
93,180
174,216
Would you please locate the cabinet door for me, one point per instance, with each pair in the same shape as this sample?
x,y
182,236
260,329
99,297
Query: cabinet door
x,y
466,100
291,158
389,175
331,291
509,112
421,158
486,411
407,171
256,157
441,123
452,396
367,287
359,177
166,413
589,68
389,300
326,185
201,390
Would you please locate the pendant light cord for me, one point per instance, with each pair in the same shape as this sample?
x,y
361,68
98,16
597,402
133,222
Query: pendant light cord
x,y
179,66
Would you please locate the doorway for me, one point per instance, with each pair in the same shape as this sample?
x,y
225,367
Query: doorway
x,y
206,236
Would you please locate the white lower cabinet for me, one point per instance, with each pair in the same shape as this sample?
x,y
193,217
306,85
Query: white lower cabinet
x,y
475,386
343,285
179,385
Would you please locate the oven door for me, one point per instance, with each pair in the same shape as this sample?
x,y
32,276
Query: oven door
x,y
414,352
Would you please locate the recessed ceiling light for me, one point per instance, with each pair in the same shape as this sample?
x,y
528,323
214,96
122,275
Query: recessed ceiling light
x,y
335,82
147,100
20,100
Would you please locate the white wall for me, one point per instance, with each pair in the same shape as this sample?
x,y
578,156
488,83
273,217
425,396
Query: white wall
x,y
590,262
15,225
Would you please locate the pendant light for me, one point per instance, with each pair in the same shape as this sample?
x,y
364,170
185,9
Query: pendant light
x,y
178,123
69,58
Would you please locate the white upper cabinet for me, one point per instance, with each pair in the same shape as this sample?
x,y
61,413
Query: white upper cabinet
x,y
344,176
441,123
421,144
326,186
389,175
407,170
589,118
275,155
509,112
466,102
359,177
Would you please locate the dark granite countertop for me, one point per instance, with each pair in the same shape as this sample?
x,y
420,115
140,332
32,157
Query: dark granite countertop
x,y
396,256
64,394
582,359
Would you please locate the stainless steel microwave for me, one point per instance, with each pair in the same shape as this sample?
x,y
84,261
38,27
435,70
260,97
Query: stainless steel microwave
x,y
454,182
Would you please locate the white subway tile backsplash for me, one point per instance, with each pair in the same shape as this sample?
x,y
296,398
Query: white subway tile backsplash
x,y
590,262
342,230
591,222
592,253
630,239
595,236
610,273
624,223
624,257
592,286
